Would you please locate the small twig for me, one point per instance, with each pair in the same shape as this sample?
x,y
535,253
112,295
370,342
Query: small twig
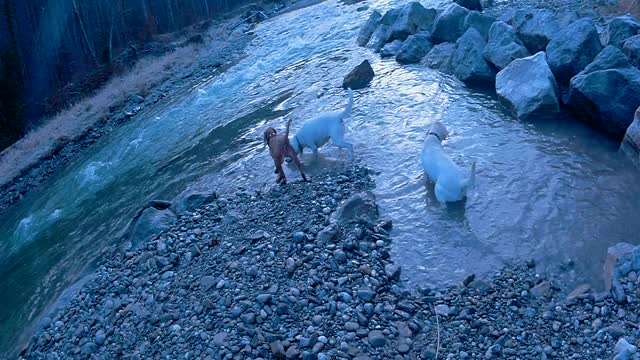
x,y
438,324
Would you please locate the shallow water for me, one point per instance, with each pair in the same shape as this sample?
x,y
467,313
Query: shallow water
x,y
548,190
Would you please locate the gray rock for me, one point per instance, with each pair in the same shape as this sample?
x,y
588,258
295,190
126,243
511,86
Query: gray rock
x,y
442,310
470,4
360,77
351,326
366,294
369,27
631,48
412,18
572,49
292,352
439,57
631,142
540,290
299,237
376,338
100,337
264,298
220,339
89,348
340,256
620,29
190,200
207,282
359,207
379,37
150,223
503,46
390,16
414,48
528,88
277,349
535,27
449,24
609,58
328,234
392,271
248,318
391,49
468,61
623,350
607,97
480,22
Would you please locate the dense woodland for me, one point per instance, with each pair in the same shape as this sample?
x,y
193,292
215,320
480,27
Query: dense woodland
x,y
54,51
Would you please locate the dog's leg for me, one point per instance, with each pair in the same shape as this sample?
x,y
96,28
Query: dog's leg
x,y
314,151
338,139
297,161
345,145
281,177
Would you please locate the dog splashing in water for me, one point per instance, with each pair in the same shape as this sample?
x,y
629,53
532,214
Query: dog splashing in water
x,y
451,184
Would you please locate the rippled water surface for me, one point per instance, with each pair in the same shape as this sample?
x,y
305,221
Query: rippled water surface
x,y
548,190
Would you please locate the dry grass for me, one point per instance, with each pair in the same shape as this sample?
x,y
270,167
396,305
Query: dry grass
x,y
77,119
623,7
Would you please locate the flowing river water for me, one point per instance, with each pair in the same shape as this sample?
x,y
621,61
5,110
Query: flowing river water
x,y
549,190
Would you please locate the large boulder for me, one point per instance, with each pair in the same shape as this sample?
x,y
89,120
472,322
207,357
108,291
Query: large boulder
x,y
607,92
391,49
631,142
360,207
414,48
412,18
439,57
190,200
503,46
449,24
631,48
150,223
622,259
367,30
480,22
535,27
620,29
572,49
379,37
360,77
528,88
468,62
390,17
470,4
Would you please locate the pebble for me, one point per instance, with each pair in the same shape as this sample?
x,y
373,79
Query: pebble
x,y
100,337
376,338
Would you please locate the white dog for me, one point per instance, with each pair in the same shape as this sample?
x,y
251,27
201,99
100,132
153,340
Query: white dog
x,y
317,131
451,184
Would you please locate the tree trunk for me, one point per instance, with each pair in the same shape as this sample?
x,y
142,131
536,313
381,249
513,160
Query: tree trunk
x,y
84,33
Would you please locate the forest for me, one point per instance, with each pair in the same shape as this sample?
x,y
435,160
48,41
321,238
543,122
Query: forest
x,y
52,52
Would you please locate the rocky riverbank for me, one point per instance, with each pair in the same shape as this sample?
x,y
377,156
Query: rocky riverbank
x,y
304,271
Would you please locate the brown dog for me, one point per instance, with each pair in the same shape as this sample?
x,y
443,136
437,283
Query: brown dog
x,y
280,148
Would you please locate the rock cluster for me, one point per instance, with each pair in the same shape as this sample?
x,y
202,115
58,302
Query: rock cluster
x,y
304,272
596,75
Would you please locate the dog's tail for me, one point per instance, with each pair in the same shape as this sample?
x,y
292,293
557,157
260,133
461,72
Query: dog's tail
x,y
286,134
347,110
